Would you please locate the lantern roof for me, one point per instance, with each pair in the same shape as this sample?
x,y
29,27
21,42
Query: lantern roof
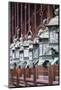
x,y
54,20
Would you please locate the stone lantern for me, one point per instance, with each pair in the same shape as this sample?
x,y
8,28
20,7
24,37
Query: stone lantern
x,y
12,53
53,27
43,35
26,51
17,47
35,51
21,51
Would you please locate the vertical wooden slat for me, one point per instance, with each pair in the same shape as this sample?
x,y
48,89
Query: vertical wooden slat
x,y
48,13
12,23
25,20
41,14
35,17
28,17
21,18
15,19
18,14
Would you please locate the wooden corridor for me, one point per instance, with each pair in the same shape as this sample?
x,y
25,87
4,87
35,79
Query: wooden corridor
x,y
36,76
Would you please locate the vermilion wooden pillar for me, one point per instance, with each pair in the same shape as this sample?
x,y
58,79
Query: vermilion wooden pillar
x,y
50,75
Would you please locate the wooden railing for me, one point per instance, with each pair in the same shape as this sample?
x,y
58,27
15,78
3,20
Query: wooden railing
x,y
34,76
